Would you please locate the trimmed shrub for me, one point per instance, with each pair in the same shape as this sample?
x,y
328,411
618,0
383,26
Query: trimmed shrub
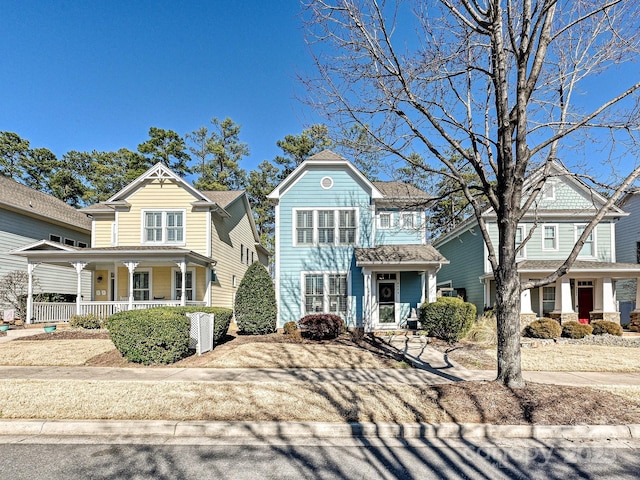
x,y
448,318
221,320
88,321
321,326
150,336
600,327
576,330
543,328
290,327
255,306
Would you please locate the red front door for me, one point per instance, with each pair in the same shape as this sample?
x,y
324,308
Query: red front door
x,y
585,304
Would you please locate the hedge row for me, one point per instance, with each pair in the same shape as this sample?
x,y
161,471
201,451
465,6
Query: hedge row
x,y
160,335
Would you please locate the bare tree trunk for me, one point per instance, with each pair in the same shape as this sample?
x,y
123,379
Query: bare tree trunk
x,y
508,321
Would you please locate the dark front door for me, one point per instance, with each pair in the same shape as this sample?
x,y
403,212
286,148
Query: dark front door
x,y
387,302
585,304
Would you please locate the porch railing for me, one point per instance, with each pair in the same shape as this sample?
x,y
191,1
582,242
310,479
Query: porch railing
x,y
49,312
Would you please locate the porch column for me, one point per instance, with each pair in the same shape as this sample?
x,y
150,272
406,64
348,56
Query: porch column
x,y
423,287
525,299
366,301
432,287
30,268
609,309
183,290
207,290
79,266
634,324
131,266
563,311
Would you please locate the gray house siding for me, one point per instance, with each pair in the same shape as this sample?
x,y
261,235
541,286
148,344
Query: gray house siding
x,y
18,230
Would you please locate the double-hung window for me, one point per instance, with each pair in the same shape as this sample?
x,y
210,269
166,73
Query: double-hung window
x,y
304,227
141,286
407,220
588,249
326,227
519,239
188,285
384,220
163,227
347,227
550,237
325,293
548,300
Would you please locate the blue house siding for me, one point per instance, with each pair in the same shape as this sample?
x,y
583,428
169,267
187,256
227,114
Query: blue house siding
x,y
466,254
307,193
410,292
396,234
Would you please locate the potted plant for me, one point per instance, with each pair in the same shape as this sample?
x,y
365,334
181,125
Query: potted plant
x,y
49,328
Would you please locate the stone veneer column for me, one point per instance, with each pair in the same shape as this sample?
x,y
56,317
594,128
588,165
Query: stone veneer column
x,y
527,315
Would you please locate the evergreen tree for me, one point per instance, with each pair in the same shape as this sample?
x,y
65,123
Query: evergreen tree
x,y
168,147
261,183
297,148
255,306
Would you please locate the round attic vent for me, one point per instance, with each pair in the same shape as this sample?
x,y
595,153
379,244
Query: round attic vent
x,y
326,182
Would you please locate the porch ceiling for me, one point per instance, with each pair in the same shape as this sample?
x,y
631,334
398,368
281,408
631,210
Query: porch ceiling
x,y
406,256
117,254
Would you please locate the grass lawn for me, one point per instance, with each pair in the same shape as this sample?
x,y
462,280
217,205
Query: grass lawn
x,y
464,402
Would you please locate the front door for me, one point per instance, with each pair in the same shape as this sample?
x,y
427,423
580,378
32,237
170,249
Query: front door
x,y
585,304
387,302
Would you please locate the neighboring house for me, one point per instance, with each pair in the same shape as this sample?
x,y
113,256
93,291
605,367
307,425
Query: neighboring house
x,y
557,218
159,241
349,246
26,216
628,250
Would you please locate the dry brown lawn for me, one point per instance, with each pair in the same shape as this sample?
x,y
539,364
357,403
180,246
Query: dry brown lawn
x,y
56,352
463,402
553,358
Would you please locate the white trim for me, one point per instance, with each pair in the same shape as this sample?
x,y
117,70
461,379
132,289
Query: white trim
x,y
93,232
277,261
209,233
330,186
413,220
548,191
612,242
523,251
379,220
149,271
164,212
315,226
556,239
593,236
325,294
376,304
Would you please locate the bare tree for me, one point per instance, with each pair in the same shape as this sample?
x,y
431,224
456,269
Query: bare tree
x,y
499,83
13,292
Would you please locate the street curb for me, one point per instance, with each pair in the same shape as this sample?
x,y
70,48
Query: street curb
x,y
314,429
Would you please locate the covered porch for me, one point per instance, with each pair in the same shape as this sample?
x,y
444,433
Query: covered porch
x,y
122,278
585,294
397,280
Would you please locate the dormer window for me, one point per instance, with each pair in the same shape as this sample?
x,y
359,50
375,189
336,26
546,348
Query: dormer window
x,y
163,227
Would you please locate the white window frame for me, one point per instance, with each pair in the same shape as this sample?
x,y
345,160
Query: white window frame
x,y
53,237
576,236
174,285
164,227
385,214
410,215
148,272
523,251
543,301
326,303
82,244
548,191
556,242
315,226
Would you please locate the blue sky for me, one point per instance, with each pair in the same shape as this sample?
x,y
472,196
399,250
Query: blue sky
x,y
95,75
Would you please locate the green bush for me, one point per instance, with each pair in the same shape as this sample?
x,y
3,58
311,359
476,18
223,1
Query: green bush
x,y
576,330
157,335
448,318
600,327
255,306
543,328
221,318
321,326
88,321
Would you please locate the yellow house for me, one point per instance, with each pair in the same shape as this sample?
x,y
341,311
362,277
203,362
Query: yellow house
x,y
160,241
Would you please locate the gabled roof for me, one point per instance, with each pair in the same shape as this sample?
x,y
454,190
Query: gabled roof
x,y
224,198
557,170
324,158
401,195
20,198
